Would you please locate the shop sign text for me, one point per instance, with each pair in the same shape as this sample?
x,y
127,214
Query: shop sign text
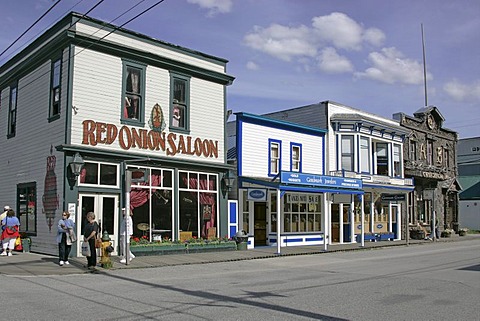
x,y
96,133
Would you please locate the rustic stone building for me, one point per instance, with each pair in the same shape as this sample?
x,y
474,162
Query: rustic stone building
x,y
430,158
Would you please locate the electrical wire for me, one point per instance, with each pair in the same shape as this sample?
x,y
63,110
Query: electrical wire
x,y
28,29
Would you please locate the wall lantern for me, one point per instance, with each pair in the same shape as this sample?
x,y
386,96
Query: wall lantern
x,y
76,165
227,183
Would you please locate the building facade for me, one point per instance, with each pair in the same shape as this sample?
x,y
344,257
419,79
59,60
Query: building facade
x,y
121,104
430,154
469,179
367,147
283,191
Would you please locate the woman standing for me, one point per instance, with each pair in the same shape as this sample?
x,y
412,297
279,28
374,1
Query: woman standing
x,y
64,247
10,228
89,235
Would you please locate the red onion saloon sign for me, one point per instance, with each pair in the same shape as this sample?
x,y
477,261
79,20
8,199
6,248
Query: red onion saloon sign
x,y
97,133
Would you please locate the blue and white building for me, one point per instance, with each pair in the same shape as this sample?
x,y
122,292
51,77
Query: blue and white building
x,y
365,147
284,192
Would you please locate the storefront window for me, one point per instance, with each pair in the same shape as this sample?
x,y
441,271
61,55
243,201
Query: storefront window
x,y
99,174
302,212
198,204
152,204
245,213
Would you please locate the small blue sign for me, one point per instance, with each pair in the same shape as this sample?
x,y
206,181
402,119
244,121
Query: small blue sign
x,y
257,194
379,226
320,180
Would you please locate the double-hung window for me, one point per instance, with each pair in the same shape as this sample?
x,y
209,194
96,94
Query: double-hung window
x,y
296,157
429,152
180,101
55,85
364,155
413,150
397,160
274,157
382,159
12,111
133,96
347,153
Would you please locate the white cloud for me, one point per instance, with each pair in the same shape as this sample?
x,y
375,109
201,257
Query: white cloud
x,y
330,61
463,92
390,66
252,66
281,42
345,33
214,6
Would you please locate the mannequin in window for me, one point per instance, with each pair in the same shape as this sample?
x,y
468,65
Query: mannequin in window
x,y
176,117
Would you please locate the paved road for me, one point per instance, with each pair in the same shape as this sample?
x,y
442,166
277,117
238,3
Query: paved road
x,y
435,281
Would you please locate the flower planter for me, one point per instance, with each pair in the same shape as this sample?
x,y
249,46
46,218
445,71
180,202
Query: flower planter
x,y
165,249
142,250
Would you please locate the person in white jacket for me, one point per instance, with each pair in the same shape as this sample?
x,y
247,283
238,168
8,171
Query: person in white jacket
x,y
126,226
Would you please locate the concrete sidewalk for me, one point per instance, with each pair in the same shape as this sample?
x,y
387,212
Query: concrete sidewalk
x,y
33,264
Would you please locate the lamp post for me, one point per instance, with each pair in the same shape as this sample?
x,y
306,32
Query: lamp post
x,y
227,183
75,166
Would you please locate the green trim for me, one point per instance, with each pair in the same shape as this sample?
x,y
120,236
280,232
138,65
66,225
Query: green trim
x,y
145,159
152,59
141,114
33,230
57,58
186,113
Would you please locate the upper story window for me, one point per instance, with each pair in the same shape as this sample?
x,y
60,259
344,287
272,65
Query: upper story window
x,y
274,157
55,86
412,150
381,159
347,153
296,158
99,174
12,111
133,96
180,102
397,160
447,158
429,152
364,155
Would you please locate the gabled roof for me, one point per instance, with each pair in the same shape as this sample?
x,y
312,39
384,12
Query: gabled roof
x,y
429,110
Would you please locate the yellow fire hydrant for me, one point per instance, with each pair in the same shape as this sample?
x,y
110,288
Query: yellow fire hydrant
x,y
106,250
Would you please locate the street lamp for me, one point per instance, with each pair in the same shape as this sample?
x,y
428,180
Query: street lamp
x,y
227,183
76,165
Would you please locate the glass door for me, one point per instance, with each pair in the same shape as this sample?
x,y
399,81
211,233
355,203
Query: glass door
x,y
105,207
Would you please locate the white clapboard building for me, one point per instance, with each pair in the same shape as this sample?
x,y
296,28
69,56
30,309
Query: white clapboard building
x,y
367,147
117,104
284,192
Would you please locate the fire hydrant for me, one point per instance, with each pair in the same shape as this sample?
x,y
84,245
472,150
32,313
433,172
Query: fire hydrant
x,y
106,250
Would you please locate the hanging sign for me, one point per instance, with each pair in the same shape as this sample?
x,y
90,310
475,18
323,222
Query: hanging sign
x,y
393,197
257,194
319,180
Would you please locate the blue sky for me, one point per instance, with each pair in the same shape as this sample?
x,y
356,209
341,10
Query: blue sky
x,y
365,54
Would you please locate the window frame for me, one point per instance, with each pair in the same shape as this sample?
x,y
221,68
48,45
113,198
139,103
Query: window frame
x,y
277,160
296,164
24,226
430,152
397,163
363,162
52,113
174,105
99,170
126,64
412,150
347,154
12,112
376,150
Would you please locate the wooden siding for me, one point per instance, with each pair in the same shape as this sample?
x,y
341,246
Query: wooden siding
x,y
97,94
119,38
25,155
255,150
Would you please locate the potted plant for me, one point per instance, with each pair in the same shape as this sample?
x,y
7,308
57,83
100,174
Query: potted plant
x,y
446,233
463,231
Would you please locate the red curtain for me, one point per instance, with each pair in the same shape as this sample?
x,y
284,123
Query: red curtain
x,y
140,196
205,199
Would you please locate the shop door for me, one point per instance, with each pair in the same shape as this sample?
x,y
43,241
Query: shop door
x,y
105,207
396,221
335,210
260,223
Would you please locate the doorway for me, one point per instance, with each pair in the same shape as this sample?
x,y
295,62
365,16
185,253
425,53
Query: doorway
x,y
260,223
105,207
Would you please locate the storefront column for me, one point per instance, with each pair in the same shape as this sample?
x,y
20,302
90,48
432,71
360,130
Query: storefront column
x,y
279,244
326,214
352,219
362,225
